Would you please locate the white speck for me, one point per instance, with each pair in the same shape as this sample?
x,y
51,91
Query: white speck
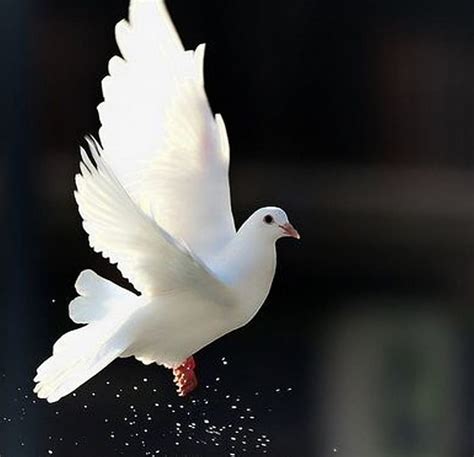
x,y
53,300
335,449
218,379
145,379
117,395
234,407
135,388
50,451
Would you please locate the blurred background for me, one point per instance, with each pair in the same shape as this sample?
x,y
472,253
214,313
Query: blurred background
x,y
356,117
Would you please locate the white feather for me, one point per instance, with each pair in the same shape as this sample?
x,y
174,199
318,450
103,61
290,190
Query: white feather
x,y
159,135
98,298
154,261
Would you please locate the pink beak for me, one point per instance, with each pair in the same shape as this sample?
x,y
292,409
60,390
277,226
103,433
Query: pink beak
x,y
289,230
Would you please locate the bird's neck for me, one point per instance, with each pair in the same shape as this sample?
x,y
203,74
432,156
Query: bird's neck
x,y
248,264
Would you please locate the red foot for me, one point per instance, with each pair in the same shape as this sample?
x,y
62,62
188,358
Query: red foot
x,y
185,378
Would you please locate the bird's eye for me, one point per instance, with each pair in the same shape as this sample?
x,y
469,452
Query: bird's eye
x,y
268,219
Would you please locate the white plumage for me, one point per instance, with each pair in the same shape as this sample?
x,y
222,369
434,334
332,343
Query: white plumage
x,y
154,198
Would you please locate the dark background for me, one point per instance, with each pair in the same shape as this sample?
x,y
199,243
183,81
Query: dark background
x,y
358,119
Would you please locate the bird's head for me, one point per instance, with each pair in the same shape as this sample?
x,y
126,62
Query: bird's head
x,y
273,222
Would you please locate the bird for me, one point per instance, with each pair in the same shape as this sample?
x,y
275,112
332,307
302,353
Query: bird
x,y
154,197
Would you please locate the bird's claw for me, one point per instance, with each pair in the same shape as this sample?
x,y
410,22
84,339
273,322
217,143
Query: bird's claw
x,y
185,377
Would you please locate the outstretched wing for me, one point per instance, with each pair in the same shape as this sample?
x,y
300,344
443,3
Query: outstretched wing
x,y
150,258
158,132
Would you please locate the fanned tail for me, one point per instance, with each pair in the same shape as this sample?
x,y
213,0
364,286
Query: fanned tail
x,y
82,353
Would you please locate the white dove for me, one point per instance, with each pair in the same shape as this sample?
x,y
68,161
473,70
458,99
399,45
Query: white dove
x,y
155,200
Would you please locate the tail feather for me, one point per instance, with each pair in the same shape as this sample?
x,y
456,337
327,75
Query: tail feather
x,y
82,353
97,298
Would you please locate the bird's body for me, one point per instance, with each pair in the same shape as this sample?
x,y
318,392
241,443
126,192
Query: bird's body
x,y
177,325
155,199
